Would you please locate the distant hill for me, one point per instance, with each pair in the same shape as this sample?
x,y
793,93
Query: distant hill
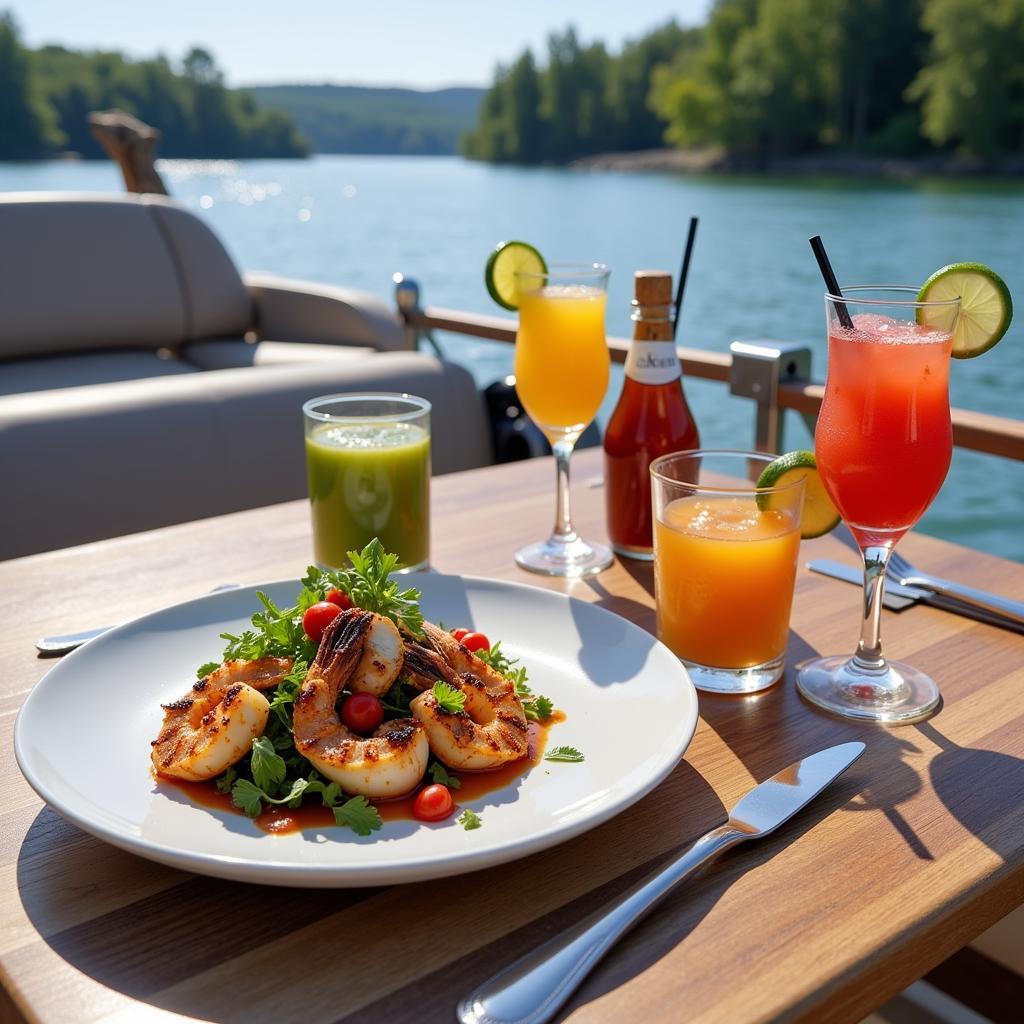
x,y
358,119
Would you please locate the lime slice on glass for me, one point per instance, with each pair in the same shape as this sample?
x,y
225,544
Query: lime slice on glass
x,y
820,515
985,305
507,260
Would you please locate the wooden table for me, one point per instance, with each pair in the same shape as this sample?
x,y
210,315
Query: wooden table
x,y
912,854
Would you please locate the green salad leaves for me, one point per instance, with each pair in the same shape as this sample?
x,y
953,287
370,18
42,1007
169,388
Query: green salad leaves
x,y
274,774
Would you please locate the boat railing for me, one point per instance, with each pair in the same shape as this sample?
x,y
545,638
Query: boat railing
x,y
775,375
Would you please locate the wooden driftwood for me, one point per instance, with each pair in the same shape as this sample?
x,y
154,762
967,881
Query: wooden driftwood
x,y
132,145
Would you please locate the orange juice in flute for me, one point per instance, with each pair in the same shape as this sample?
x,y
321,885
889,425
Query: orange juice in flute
x,y
562,369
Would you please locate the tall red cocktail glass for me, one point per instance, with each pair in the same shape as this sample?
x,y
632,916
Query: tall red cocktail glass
x,y
883,444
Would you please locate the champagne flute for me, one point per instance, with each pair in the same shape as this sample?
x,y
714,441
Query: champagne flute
x,y
883,445
562,369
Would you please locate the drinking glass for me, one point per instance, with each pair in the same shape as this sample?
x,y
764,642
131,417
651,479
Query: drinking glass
x,y
368,464
725,560
562,368
883,444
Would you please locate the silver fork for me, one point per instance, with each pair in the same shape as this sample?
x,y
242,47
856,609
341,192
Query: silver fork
x,y
903,572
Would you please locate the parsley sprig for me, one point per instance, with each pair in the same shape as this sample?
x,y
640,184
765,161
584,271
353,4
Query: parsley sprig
x,y
370,586
448,698
570,754
469,821
536,706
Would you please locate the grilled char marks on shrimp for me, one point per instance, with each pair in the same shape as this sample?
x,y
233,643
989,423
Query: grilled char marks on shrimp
x,y
387,764
430,657
213,725
491,730
381,662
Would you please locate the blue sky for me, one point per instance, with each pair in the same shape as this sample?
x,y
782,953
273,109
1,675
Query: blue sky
x,y
389,42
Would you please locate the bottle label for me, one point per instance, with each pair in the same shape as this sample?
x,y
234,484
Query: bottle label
x,y
653,362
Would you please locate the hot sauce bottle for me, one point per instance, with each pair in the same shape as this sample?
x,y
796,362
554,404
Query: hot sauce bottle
x,y
651,418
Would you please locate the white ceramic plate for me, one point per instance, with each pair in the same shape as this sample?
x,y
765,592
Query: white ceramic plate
x,y
82,739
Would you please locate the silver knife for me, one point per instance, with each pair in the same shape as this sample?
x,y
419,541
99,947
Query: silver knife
x,y
535,987
896,596
899,595
64,644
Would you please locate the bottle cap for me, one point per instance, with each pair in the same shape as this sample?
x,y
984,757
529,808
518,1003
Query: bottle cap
x,y
652,287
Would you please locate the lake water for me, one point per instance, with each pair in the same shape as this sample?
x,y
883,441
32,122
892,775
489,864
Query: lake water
x,y
354,221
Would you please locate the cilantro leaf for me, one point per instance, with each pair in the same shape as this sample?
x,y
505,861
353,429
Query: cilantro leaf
x,y
360,816
268,767
294,796
440,775
226,781
570,754
537,708
468,820
206,668
248,796
448,698
369,584
505,666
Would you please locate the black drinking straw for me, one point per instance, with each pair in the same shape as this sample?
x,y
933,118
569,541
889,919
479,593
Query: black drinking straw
x,y
684,270
830,281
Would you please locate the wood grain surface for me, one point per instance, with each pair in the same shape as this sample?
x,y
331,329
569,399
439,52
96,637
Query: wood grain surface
x,y
913,853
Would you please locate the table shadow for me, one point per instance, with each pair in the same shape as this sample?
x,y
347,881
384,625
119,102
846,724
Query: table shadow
x,y
746,724
980,788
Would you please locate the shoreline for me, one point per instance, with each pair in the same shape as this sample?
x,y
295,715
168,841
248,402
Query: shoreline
x,y
717,161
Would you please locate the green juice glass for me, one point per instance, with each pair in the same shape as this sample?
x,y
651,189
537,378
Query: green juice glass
x,y
368,465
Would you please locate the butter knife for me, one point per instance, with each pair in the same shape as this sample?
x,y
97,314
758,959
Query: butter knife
x,y
534,988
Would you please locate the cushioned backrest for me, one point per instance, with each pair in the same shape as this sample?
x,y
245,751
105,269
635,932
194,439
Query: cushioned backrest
x,y
216,301
80,271
84,273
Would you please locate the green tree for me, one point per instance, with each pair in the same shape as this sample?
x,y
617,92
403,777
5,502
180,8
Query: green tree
x,y
28,125
526,131
636,122
972,86
491,140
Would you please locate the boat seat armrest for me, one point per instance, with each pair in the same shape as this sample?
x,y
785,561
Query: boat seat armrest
x,y
291,310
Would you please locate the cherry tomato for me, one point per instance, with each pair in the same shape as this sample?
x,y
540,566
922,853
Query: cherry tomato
x,y
433,803
362,712
460,634
476,642
317,617
338,597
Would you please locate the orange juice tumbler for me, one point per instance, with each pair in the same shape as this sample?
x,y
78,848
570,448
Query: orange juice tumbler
x,y
725,558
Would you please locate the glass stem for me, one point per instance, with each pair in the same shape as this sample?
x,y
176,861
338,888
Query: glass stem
x,y
563,532
869,655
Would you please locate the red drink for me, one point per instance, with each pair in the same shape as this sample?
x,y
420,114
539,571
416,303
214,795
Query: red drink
x,y
884,440
651,418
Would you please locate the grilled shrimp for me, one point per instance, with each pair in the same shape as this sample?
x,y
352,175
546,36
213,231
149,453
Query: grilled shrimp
x,y
381,662
432,657
214,724
491,730
387,764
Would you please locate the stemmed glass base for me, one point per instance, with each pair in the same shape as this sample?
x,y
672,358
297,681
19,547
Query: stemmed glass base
x,y
554,557
895,692
867,686
564,553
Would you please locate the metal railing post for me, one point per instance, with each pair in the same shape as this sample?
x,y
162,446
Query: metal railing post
x,y
407,299
758,368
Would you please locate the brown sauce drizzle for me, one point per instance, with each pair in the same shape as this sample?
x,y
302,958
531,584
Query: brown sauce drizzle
x,y
313,815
